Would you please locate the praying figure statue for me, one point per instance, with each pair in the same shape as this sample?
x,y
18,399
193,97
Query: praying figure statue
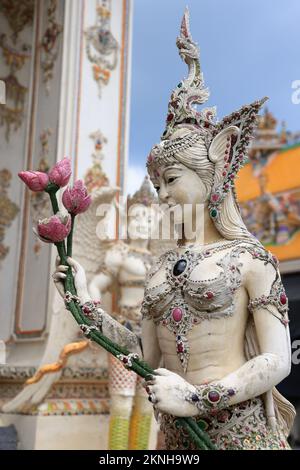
x,y
215,313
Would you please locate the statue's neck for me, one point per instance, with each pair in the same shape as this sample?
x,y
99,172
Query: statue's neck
x,y
203,233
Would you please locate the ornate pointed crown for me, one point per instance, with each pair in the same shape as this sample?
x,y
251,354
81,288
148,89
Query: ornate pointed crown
x,y
183,113
144,195
226,140
189,91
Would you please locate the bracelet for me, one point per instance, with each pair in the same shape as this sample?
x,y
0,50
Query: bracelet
x,y
127,360
86,329
90,309
208,398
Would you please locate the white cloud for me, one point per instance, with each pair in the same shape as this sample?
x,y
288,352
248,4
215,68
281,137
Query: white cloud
x,y
134,178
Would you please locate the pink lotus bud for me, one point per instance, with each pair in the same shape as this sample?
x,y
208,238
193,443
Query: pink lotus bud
x,y
76,199
61,172
55,229
34,180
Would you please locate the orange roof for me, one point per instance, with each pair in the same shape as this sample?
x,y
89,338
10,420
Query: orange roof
x,y
282,172
290,250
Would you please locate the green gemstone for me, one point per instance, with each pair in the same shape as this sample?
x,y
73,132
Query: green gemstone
x,y
202,424
179,85
214,213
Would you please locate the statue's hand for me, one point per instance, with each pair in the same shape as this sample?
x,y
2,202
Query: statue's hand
x,y
167,392
79,278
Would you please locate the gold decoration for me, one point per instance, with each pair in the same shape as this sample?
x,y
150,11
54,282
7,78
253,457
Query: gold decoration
x,y
68,350
101,46
95,177
18,14
8,210
12,116
49,45
14,58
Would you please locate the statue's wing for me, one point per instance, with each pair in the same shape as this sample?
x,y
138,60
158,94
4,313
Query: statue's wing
x,y
90,240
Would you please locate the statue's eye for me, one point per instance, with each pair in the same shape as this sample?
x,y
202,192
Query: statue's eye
x,y
172,179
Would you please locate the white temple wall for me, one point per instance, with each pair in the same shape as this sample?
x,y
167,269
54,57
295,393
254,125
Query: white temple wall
x,y
66,115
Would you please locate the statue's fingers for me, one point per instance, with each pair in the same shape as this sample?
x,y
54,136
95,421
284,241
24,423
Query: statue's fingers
x,y
75,265
62,268
57,276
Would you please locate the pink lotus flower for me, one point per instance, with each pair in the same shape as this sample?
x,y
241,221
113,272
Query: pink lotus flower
x,y
34,180
76,200
55,229
61,172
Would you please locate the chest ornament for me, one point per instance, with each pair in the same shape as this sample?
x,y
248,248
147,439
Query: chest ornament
x,y
185,302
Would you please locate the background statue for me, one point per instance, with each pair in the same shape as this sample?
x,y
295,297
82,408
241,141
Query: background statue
x,y
124,270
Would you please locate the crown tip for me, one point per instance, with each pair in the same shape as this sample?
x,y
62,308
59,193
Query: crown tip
x,y
185,28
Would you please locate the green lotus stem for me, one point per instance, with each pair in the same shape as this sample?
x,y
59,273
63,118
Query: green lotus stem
x,y
70,236
141,368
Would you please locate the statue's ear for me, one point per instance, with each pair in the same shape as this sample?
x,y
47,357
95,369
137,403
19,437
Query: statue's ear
x,y
219,150
218,145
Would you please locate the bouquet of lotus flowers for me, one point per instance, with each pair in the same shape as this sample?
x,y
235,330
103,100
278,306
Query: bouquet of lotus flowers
x,y
58,229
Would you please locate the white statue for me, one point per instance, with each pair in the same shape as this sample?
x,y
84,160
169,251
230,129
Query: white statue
x,y
214,309
125,268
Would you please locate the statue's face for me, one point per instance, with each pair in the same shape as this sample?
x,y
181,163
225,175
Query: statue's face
x,y
181,189
140,218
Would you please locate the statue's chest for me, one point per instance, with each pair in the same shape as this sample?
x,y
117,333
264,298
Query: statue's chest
x,y
189,288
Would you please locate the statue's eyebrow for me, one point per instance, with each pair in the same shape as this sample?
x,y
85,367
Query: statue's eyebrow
x,y
172,167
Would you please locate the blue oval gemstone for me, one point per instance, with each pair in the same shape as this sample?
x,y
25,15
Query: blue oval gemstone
x,y
179,267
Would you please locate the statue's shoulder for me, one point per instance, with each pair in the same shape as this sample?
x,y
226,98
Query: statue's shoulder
x,y
259,252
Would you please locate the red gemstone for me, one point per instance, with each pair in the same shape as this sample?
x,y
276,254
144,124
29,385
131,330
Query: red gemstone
x,y
125,360
180,348
209,295
170,117
86,310
215,197
213,396
283,299
177,314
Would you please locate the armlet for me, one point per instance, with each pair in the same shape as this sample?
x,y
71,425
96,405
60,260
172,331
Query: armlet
x,y
276,298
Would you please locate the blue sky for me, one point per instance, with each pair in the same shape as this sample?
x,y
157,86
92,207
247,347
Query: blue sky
x,y
248,49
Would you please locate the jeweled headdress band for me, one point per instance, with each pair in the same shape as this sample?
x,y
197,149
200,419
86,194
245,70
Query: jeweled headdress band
x,y
169,148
